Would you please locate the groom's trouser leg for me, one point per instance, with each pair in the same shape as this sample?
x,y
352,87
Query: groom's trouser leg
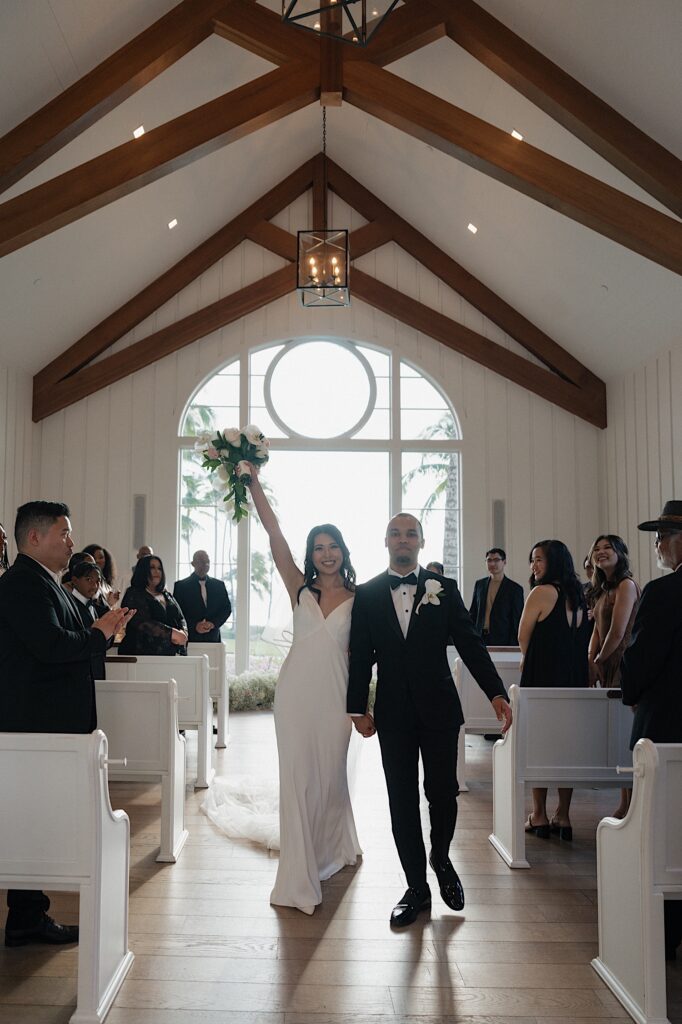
x,y
400,758
439,758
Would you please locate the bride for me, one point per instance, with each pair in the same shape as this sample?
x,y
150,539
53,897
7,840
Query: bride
x,y
317,830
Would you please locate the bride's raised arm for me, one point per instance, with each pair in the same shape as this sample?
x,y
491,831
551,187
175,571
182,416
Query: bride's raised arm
x,y
281,552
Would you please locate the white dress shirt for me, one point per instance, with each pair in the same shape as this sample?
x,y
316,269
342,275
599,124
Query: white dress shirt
x,y
403,598
77,596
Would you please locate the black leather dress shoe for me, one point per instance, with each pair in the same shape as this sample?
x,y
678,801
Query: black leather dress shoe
x,y
414,900
451,890
47,931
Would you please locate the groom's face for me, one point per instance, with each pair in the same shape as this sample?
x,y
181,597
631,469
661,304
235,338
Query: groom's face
x,y
404,542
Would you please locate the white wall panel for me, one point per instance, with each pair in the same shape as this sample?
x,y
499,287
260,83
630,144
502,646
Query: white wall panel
x,y
16,444
641,453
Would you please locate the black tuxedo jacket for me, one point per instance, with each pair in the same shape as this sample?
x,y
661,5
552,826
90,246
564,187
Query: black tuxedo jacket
x,y
98,660
46,682
188,595
505,613
413,671
651,669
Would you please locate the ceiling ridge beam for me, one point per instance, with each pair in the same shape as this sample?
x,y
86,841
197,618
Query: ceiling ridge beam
x,y
154,295
523,167
587,403
455,276
566,100
134,164
119,76
162,343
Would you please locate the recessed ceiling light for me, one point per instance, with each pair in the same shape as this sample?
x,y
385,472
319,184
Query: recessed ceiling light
x,y
517,135
139,131
472,228
172,223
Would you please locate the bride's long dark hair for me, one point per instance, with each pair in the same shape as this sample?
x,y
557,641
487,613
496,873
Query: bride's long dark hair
x,y
347,572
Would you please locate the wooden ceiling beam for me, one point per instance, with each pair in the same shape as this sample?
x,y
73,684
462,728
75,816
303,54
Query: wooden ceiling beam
x,y
162,343
586,403
549,87
458,278
262,32
186,270
103,88
528,170
407,29
127,168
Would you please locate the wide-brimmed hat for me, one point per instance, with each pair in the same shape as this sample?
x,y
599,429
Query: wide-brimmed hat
x,y
671,516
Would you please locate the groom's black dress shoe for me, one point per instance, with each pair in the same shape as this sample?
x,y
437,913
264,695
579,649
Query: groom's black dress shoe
x,y
46,931
414,900
451,889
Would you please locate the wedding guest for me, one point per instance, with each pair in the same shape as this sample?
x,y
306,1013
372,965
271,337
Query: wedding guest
x,y
4,560
76,559
85,583
46,682
104,560
159,626
436,567
204,601
614,597
650,670
497,603
554,633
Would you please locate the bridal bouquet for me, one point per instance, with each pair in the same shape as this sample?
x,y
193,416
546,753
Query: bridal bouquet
x,y
229,453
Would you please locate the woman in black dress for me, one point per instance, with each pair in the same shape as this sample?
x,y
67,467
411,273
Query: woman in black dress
x,y
554,634
158,626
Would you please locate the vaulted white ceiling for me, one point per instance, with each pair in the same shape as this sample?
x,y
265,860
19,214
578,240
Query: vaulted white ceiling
x,y
608,306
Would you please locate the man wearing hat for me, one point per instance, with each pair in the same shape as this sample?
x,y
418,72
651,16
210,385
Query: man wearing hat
x,y
651,666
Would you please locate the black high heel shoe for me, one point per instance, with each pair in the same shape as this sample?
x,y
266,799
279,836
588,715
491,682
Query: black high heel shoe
x,y
564,832
541,831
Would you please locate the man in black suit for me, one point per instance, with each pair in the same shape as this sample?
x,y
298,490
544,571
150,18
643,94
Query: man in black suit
x,y
651,666
403,620
497,603
204,602
46,682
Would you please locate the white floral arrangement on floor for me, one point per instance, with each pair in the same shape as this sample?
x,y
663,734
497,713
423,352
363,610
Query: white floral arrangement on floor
x,y
228,453
255,691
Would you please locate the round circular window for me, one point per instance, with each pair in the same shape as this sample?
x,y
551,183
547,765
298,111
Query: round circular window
x,y
328,383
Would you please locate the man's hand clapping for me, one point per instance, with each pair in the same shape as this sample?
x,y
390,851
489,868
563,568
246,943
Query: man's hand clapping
x,y
114,621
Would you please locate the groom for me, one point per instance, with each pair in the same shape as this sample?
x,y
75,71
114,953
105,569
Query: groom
x,y
404,620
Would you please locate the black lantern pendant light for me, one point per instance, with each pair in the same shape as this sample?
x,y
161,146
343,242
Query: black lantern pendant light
x,y
351,21
323,256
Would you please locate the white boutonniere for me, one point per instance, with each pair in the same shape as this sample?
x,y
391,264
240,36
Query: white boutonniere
x,y
431,594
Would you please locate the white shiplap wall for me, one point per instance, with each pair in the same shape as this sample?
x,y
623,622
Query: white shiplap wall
x,y
641,452
16,438
542,461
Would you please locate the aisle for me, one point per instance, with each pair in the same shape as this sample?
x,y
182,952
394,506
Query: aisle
x,y
210,950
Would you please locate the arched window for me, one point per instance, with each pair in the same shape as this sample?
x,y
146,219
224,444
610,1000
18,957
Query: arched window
x,y
356,434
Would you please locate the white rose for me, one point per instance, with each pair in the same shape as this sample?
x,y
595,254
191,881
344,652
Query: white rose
x,y
233,436
253,434
262,452
243,471
433,587
212,452
224,474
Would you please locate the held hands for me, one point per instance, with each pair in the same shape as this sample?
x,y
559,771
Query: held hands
x,y
114,621
204,626
365,725
503,712
178,637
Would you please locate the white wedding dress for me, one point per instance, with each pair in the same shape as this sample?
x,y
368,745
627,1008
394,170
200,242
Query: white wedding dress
x,y
317,834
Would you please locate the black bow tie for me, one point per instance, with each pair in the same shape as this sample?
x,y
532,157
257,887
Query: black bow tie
x,y
398,581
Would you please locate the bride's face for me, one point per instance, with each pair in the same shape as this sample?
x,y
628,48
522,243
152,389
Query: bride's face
x,y
327,555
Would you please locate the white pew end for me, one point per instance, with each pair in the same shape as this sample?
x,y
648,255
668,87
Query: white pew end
x,y
560,737
639,864
195,706
55,785
140,719
479,714
218,686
